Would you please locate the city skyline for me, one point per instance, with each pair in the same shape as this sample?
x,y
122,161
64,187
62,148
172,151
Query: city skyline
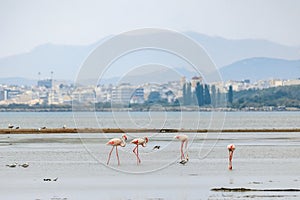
x,y
53,92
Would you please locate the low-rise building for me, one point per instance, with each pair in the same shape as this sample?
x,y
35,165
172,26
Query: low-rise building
x,y
292,82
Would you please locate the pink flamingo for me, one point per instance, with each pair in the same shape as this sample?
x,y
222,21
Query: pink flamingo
x,y
115,142
183,139
137,142
230,148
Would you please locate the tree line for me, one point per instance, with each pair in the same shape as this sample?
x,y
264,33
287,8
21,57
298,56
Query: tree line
x,y
288,96
206,95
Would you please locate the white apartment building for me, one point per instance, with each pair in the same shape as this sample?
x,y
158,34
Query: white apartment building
x,y
122,93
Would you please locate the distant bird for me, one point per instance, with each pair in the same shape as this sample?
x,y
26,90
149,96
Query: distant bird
x,y
18,127
115,142
183,139
156,147
10,126
139,141
64,126
12,165
49,179
25,165
43,127
231,148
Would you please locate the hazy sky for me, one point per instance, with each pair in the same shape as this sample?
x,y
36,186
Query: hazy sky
x,y
27,24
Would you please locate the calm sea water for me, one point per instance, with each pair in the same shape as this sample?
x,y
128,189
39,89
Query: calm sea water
x,y
186,120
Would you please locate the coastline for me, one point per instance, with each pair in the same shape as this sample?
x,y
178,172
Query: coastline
x,y
125,130
91,108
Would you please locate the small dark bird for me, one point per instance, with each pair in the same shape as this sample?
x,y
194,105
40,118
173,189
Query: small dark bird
x,y
12,165
10,126
49,179
44,127
25,165
18,127
156,147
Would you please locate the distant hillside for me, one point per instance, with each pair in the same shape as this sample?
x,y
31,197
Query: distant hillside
x,y
18,81
288,96
226,51
65,60
261,69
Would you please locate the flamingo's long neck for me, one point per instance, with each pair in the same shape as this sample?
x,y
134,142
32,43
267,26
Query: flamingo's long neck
x,y
230,156
144,144
230,159
123,143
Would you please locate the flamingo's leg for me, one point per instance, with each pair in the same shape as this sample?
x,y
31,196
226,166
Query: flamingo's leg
x,y
110,154
181,150
117,155
137,151
134,150
186,152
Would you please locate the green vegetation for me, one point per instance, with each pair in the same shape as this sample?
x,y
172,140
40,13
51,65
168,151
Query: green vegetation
x,y
187,94
230,96
287,96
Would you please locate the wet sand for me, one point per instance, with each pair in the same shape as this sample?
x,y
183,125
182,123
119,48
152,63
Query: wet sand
x,y
261,162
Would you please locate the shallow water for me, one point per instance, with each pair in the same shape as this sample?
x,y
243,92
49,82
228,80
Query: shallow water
x,y
186,120
261,160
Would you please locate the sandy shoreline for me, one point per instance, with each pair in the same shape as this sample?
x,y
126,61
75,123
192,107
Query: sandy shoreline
x,y
261,162
117,130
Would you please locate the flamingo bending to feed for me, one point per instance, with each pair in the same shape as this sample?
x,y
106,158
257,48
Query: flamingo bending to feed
x,y
115,142
137,142
183,139
231,149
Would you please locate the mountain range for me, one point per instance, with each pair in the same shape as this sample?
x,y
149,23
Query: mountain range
x,y
236,60
261,68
